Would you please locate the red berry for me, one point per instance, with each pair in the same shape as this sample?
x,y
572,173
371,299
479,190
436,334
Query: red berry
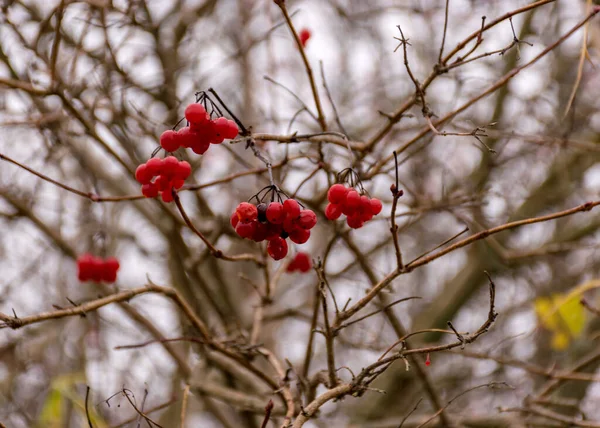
x,y
427,360
183,170
169,141
234,219
200,146
307,219
170,165
273,230
153,167
333,211
303,262
162,182
277,248
299,236
260,232
291,208
143,174
246,212
186,137
166,195
231,131
304,35
365,209
292,266
275,213
354,221
84,267
376,206
96,267
246,230
352,199
177,183
196,113
109,269
337,193
150,190
112,263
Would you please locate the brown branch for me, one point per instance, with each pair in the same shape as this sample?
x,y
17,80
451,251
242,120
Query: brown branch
x,y
309,72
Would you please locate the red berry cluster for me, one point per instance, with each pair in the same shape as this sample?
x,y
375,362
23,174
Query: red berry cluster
x,y
274,222
96,269
169,172
301,263
201,132
357,209
304,35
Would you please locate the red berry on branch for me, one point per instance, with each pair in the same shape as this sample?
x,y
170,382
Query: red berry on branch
x,y
150,190
186,137
166,195
246,230
246,212
177,183
261,231
333,211
307,219
299,235
337,193
162,182
277,248
231,131
196,113
170,165
273,230
143,175
354,221
376,206
154,166
200,147
291,208
304,35
169,141
234,219
303,262
84,267
275,213
183,171
111,266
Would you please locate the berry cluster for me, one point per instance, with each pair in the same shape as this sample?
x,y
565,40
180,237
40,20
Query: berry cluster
x,y
96,269
169,172
304,35
301,263
357,209
201,132
274,223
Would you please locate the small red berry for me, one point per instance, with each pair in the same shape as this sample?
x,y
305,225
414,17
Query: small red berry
x,y
150,190
277,248
333,211
337,193
162,182
247,212
299,236
304,35
291,207
170,165
376,206
234,219
200,146
231,131
177,183
246,230
186,137
196,113
427,360
273,230
169,141
303,262
260,232
154,166
84,267
354,221
110,268
143,174
166,195
275,213
183,170
307,219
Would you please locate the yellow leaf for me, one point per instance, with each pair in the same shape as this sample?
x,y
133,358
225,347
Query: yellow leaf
x,y
560,341
52,412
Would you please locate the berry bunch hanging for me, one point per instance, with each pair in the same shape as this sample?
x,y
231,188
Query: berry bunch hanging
x,y
91,268
301,263
273,222
161,176
201,132
358,207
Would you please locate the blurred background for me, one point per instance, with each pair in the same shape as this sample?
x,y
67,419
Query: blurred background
x,y
86,89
